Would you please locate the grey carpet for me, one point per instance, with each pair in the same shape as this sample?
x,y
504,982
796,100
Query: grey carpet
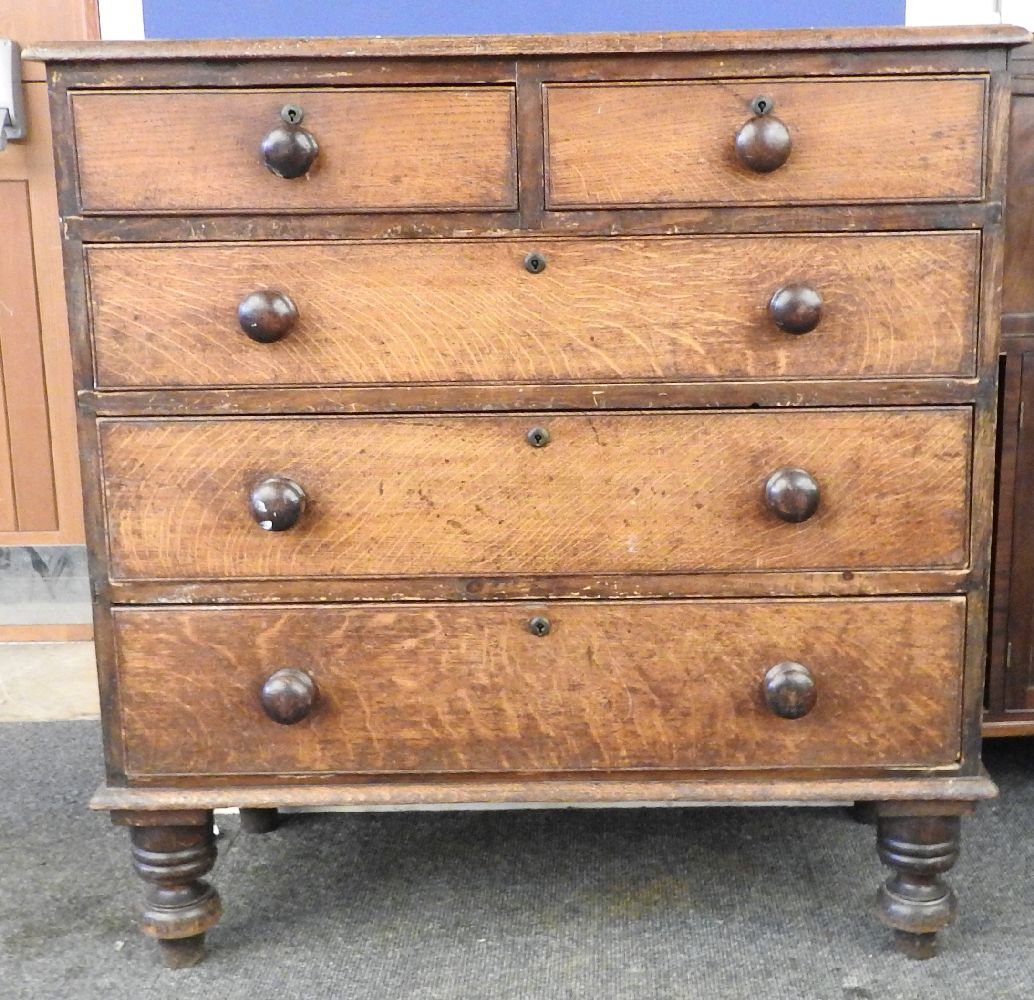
x,y
554,905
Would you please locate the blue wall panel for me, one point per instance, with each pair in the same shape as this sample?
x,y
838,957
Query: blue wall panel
x,y
269,18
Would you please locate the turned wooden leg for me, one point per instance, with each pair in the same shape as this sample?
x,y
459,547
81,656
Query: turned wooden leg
x,y
179,906
915,900
259,820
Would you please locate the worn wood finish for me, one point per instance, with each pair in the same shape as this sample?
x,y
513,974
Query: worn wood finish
x,y
1010,683
382,149
443,688
771,583
1018,691
767,787
685,221
677,308
1018,289
467,495
671,144
903,472
1011,696
985,425
1010,384
828,40
179,906
916,901
498,397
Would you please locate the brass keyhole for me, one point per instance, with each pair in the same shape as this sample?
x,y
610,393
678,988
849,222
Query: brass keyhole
x,y
762,105
292,114
535,262
539,625
538,437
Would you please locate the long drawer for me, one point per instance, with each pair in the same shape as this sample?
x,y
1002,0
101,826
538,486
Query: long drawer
x,y
379,149
690,308
535,493
617,685
663,144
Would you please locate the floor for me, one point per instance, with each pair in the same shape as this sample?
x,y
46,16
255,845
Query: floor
x,y
42,681
45,592
702,904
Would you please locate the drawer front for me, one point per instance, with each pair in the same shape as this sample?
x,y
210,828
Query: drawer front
x,y
469,495
434,148
693,308
852,140
447,688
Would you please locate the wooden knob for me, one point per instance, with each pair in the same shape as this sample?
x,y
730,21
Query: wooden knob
x,y
792,494
763,144
289,150
789,690
795,308
277,503
288,696
267,316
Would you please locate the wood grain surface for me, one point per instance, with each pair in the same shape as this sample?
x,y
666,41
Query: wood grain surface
x,y
40,499
469,688
691,308
611,493
1018,287
592,43
941,788
442,148
672,143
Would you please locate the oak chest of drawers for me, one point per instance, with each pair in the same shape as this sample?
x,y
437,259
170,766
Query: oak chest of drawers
x,y
590,419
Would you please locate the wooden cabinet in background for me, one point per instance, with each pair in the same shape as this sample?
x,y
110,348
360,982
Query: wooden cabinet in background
x,y
1010,675
40,500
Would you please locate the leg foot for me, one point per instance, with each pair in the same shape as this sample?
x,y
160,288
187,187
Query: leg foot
x,y
259,820
179,906
917,946
181,953
916,901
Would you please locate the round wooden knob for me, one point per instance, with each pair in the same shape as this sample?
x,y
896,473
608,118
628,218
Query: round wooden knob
x,y
288,696
267,316
277,503
763,144
792,494
795,308
789,690
289,150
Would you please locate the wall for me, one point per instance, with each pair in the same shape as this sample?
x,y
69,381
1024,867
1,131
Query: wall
x,y
257,18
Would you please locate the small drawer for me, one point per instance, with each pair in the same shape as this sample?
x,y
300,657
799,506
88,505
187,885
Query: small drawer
x,y
371,149
489,688
607,310
665,144
538,493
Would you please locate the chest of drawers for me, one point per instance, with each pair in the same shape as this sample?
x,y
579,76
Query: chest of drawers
x,y
595,419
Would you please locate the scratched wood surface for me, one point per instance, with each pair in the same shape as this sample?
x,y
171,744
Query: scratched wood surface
x,y
603,309
429,148
1010,668
1018,288
672,143
469,688
594,43
657,492
939,788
